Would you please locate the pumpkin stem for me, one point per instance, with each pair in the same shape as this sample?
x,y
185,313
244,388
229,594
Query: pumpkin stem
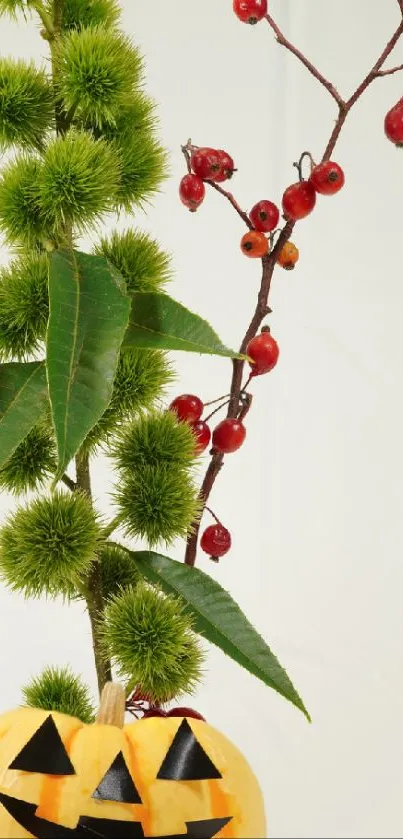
x,y
113,705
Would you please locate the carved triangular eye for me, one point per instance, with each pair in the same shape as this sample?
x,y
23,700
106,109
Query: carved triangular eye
x,y
117,784
186,760
44,753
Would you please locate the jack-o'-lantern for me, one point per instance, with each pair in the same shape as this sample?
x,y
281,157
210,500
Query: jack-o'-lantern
x,y
166,777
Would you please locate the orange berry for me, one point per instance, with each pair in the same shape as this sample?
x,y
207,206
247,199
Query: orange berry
x,y
254,244
288,256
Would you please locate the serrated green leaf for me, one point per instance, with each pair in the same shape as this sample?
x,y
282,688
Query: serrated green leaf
x,y
159,322
89,312
219,619
23,395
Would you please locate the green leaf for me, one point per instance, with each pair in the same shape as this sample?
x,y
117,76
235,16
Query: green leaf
x,y
89,312
23,396
159,322
219,619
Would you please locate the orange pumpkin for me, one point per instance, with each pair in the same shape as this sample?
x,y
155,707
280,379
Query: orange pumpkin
x,y
159,777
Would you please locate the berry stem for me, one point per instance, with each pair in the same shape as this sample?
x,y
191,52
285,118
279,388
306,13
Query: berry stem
x,y
269,261
186,150
228,195
214,401
216,410
305,61
212,514
298,165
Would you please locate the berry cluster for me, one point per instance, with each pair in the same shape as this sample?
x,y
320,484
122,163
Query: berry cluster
x,y
207,165
230,434
215,166
154,711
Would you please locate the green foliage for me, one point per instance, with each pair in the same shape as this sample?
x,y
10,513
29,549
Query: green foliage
x,y
151,641
23,403
157,503
78,181
90,309
152,440
47,546
139,258
32,462
21,219
26,104
24,305
140,380
78,14
118,570
11,7
219,619
58,689
98,69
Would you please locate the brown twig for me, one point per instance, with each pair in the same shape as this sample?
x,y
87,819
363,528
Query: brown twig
x,y
369,78
390,72
305,61
269,262
229,196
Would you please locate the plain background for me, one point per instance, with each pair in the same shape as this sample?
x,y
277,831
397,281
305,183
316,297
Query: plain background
x,y
314,498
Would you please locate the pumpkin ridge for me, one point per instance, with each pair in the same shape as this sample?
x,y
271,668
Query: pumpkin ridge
x,y
146,814
52,786
220,807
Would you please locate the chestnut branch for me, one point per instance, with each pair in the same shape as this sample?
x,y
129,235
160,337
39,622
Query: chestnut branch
x,y
269,261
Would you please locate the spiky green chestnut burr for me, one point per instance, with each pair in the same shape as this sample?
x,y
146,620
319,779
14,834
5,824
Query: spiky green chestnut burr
x,y
151,641
58,689
48,545
26,104
142,262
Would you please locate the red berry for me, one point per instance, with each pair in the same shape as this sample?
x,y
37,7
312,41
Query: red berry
x,y
250,11
192,191
394,124
185,712
202,434
187,408
264,351
327,178
216,541
206,163
299,200
264,216
227,167
228,436
154,712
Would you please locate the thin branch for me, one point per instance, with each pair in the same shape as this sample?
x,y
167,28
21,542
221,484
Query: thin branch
x,y
228,195
49,29
93,587
305,61
369,78
269,262
69,482
390,72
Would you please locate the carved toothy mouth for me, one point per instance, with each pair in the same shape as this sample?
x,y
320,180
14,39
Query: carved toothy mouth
x,y
92,828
